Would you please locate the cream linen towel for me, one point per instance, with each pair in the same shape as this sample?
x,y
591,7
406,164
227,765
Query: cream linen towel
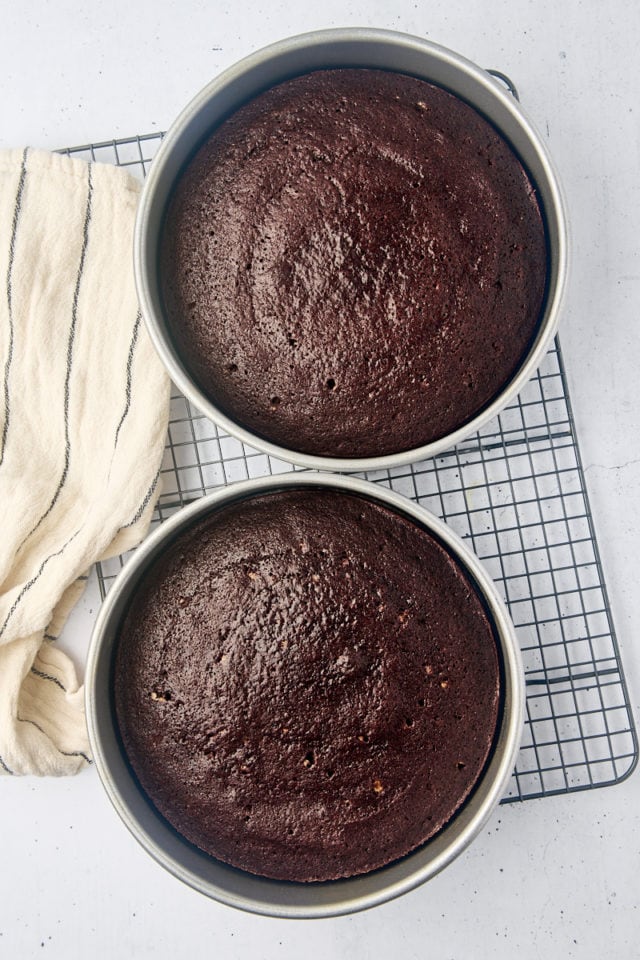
x,y
83,418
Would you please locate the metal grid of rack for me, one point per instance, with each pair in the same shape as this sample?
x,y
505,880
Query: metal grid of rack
x,y
516,492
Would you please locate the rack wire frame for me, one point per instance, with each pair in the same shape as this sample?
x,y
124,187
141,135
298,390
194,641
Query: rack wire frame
x,y
516,492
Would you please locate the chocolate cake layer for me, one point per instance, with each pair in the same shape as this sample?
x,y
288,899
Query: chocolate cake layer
x,y
353,264
307,685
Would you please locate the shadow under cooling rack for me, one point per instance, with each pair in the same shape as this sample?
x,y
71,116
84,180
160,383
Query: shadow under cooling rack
x,y
516,493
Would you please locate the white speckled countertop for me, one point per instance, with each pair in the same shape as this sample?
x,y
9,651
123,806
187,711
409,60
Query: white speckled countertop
x,y
553,878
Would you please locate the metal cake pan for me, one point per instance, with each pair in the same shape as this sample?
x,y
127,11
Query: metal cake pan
x,y
228,884
343,48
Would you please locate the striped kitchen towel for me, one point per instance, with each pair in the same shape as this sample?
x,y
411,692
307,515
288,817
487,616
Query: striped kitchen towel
x,y
83,419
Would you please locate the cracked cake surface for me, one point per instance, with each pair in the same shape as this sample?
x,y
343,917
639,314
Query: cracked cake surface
x,y
353,264
307,685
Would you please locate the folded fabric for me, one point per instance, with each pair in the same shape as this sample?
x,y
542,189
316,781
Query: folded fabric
x,y
83,418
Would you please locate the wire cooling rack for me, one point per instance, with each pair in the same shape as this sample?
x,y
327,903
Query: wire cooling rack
x,y
516,493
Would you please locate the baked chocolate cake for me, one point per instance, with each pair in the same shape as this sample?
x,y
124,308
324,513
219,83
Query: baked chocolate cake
x,y
354,263
307,685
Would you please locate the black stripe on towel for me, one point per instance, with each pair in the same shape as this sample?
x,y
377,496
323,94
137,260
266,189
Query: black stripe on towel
x,y
132,346
12,253
67,381
75,753
34,579
65,753
48,676
144,503
5,767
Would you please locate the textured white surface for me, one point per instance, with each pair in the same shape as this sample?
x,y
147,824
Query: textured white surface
x,y
553,878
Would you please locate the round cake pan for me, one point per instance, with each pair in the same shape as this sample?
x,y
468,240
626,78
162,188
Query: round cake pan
x,y
343,48
235,887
